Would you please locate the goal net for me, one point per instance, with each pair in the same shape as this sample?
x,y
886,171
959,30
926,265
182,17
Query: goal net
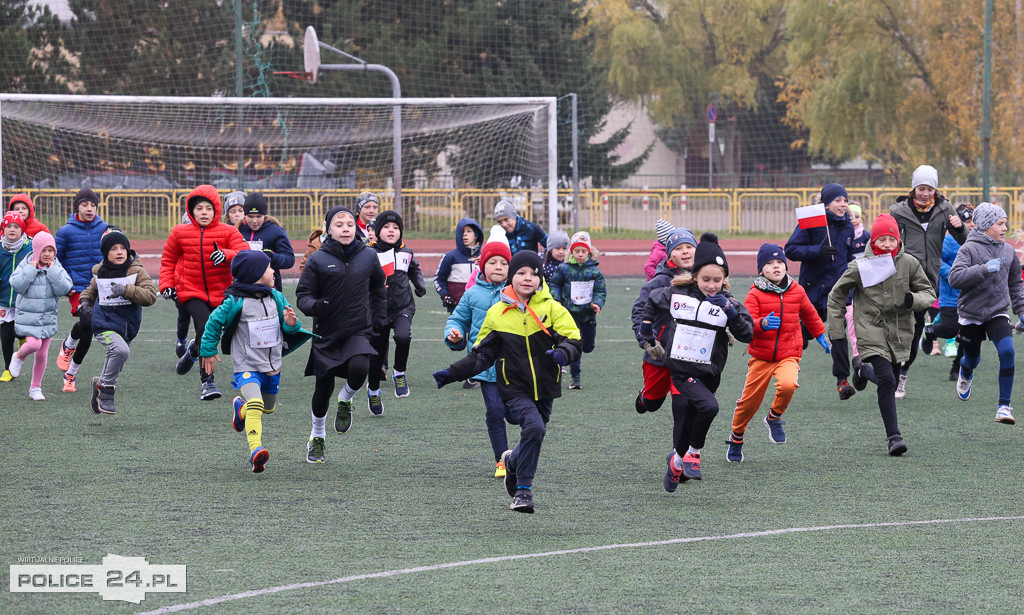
x,y
430,162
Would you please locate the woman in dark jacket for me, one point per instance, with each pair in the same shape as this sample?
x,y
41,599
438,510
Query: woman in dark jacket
x,y
342,288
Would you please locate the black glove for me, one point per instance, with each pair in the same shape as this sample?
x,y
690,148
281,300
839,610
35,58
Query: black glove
x,y
442,377
447,301
420,292
169,293
117,290
827,250
908,300
558,356
85,311
217,257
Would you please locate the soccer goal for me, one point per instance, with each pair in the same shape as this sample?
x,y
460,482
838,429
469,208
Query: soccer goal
x,y
448,146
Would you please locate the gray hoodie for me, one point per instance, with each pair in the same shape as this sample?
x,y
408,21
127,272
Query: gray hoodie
x,y
984,295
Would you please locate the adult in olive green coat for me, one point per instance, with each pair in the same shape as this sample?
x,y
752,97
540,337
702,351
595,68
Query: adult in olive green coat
x,y
924,217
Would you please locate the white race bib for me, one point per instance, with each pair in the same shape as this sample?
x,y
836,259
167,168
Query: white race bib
x,y
693,344
582,293
103,290
6,314
684,307
265,332
711,314
402,260
256,244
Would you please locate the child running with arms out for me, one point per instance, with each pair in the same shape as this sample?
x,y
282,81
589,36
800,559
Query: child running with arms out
x,y
888,287
988,274
579,286
698,310
119,289
528,337
777,306
254,322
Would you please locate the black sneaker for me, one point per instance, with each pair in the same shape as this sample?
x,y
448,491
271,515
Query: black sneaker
x,y
639,403
845,390
859,381
375,404
511,486
897,446
954,372
315,451
470,384
927,343
522,501
188,359
575,384
94,403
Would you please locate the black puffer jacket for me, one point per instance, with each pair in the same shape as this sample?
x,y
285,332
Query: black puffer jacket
x,y
400,284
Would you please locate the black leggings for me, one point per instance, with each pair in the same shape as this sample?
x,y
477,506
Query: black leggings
x,y
693,410
886,375
402,326
82,331
199,310
7,342
918,331
354,371
184,319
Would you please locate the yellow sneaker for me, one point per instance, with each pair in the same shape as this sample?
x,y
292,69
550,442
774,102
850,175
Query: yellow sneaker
x,y
499,470
6,377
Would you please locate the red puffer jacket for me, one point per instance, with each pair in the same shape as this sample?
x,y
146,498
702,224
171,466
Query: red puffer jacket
x,y
792,307
190,244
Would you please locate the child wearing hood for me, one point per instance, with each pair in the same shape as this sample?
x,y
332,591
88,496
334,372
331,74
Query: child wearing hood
x,y
456,266
119,289
16,248
579,285
22,204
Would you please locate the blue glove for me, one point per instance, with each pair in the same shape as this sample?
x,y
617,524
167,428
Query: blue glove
x,y
442,377
647,331
993,265
718,300
771,322
821,339
558,356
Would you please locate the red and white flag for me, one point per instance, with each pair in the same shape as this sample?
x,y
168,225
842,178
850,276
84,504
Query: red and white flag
x,y
812,216
387,262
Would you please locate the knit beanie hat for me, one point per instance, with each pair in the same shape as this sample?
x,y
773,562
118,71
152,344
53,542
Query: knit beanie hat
x,y
504,209
255,204
40,242
662,230
677,237
85,195
366,197
13,217
525,258
709,253
112,237
372,224
581,239
768,252
232,199
832,192
497,245
925,175
334,211
389,216
248,266
985,215
884,225
557,239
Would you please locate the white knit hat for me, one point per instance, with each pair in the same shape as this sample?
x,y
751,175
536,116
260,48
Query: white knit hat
x,y
925,175
662,230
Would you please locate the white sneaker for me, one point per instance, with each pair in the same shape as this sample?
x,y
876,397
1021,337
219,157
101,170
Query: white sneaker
x,y
901,388
963,386
1005,415
15,367
36,394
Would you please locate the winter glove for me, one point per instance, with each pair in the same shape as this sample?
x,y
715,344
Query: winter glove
x,y
447,301
117,290
558,356
647,332
908,300
1019,327
723,302
771,322
169,293
994,265
420,292
85,311
824,343
442,377
829,251
655,350
217,257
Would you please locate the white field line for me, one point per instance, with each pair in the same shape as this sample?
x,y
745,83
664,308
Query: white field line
x,y
254,593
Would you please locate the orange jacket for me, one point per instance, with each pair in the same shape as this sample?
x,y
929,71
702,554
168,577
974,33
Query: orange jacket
x,y
33,224
792,307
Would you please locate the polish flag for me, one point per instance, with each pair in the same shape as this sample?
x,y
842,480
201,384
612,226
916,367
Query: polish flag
x,y
387,262
812,216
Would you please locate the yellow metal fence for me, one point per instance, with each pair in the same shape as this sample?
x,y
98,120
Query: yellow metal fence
x,y
152,213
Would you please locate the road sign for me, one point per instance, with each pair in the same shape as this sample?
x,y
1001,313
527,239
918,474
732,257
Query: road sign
x,y
712,113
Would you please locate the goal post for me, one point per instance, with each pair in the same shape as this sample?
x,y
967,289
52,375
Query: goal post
x,y
174,142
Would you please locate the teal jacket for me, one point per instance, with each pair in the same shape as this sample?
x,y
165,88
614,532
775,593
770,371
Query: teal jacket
x,y
561,287
224,320
469,316
8,263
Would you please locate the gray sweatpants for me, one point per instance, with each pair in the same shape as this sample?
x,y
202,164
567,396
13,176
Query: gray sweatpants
x,y
117,353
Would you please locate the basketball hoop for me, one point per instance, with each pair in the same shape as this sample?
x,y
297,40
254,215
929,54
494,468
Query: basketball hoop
x,y
311,55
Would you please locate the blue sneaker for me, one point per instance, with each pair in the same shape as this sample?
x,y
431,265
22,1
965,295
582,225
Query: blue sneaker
x,y
179,347
691,466
735,452
775,432
188,359
401,386
237,418
258,459
209,391
963,385
673,475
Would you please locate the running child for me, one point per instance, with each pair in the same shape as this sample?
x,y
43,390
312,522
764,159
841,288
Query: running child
x,y
946,325
39,282
579,286
17,247
462,328
888,287
777,306
554,255
402,270
456,266
528,337
695,312
343,289
234,208
114,299
204,248
988,274
22,204
520,232
263,232
367,207
662,229
254,324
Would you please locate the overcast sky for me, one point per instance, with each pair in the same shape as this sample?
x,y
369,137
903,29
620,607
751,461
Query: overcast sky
x,y
60,8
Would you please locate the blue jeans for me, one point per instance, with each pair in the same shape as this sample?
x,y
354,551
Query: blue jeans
x,y
497,414
533,420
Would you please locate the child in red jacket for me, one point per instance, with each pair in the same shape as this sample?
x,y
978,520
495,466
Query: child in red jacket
x,y
204,249
778,306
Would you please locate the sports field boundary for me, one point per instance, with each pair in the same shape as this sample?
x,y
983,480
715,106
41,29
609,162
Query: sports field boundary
x,y
188,606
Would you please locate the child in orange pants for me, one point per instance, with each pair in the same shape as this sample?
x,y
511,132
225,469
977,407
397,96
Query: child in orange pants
x,y
778,306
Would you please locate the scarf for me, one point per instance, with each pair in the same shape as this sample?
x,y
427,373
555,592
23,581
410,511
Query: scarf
x,y
925,206
110,270
241,289
764,284
858,231
14,246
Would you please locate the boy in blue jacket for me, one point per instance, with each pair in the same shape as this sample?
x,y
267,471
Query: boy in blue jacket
x,y
521,233
579,286
264,233
259,327
16,248
456,267
460,332
78,248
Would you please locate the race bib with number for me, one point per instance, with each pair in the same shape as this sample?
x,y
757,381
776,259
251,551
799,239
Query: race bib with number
x,y
582,293
402,260
256,244
265,332
103,289
693,344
